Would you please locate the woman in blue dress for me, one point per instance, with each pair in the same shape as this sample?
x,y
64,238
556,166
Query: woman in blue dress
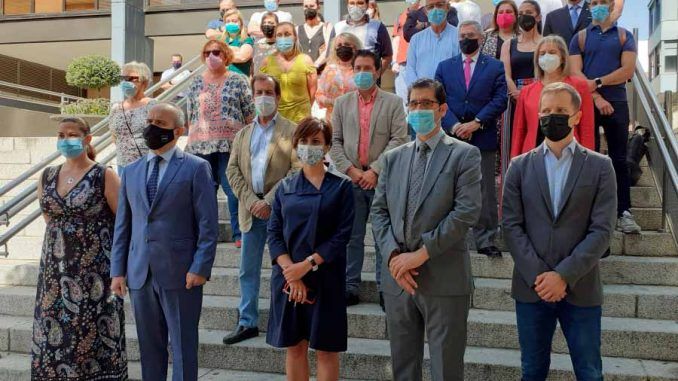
x,y
308,232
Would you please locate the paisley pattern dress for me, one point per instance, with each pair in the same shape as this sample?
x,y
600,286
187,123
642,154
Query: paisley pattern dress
x,y
78,327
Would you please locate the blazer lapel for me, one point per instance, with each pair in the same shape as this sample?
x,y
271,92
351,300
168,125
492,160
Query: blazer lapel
x,y
480,66
141,180
378,100
171,171
577,163
438,160
246,159
542,179
404,163
272,145
461,79
584,16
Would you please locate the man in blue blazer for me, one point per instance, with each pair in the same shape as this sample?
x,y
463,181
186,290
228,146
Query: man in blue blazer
x,y
476,91
568,20
164,245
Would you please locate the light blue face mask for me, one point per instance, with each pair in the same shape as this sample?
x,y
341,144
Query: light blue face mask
x,y
71,147
363,80
600,12
271,5
232,28
437,16
422,121
495,2
128,89
284,44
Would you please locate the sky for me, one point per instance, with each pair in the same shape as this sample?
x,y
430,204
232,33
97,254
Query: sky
x,y
635,15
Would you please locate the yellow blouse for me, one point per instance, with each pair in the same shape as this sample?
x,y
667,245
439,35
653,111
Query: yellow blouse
x,y
295,103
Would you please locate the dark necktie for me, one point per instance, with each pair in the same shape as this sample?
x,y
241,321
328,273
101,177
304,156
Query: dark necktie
x,y
414,192
152,184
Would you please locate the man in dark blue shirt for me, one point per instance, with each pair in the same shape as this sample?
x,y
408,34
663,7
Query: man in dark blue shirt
x,y
605,55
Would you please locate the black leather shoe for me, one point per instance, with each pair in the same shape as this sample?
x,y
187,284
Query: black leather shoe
x,y
381,302
490,251
241,334
352,299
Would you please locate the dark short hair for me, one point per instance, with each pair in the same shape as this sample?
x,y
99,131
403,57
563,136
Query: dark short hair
x,y
265,77
367,53
178,55
428,83
270,15
310,126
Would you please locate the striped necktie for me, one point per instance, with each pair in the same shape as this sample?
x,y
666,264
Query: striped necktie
x,y
152,185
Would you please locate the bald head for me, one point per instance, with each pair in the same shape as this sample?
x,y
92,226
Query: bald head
x,y
167,115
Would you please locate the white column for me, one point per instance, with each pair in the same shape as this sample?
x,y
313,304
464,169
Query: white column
x,y
128,39
333,10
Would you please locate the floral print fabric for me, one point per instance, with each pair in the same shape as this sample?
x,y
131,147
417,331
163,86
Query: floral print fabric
x,y
129,147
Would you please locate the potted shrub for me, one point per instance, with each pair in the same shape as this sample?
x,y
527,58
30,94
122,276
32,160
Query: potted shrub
x,y
92,72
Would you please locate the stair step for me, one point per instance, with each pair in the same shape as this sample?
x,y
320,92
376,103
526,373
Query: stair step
x,y
365,358
645,197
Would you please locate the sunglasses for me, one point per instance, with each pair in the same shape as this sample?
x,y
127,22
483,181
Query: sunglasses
x,y
129,78
215,52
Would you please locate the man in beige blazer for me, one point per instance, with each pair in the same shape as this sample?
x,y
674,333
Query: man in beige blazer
x,y
366,123
261,156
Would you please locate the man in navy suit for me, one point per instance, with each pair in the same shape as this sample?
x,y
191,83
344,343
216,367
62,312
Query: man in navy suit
x,y
476,91
568,20
164,245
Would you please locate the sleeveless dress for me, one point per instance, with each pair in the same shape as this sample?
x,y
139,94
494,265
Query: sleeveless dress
x,y
78,327
295,104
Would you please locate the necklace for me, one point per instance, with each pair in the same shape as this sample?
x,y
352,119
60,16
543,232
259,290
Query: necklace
x,y
70,180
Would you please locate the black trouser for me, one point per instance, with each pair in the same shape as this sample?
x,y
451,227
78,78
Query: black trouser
x,y
616,127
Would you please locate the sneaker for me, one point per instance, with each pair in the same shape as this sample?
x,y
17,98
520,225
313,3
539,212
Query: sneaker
x,y
627,224
238,243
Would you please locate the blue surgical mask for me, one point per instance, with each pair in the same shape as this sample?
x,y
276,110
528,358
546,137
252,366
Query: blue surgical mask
x,y
411,2
128,89
71,147
600,12
363,80
232,28
422,121
495,2
284,44
271,5
437,16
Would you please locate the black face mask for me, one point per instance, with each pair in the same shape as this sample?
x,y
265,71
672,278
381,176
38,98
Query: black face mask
x,y
469,45
527,22
344,53
156,137
268,30
310,13
555,127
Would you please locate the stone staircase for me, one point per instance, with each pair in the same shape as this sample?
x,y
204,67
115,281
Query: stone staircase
x,y
639,327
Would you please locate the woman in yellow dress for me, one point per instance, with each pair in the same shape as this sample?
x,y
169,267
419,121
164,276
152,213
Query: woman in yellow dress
x,y
295,72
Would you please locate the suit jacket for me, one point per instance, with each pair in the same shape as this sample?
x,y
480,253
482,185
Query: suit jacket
x,y
559,22
410,27
449,204
570,244
281,161
388,129
485,99
174,235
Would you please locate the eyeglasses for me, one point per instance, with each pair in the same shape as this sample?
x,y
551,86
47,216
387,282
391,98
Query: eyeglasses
x,y
215,52
440,5
129,78
426,103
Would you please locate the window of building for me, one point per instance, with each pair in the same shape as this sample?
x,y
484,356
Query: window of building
x,y
655,15
48,6
16,7
670,56
80,5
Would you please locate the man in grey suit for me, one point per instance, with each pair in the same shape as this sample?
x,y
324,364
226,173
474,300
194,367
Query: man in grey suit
x,y
559,212
427,198
366,123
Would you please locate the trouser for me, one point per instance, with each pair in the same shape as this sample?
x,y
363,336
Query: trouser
x,y
581,327
251,256
616,127
485,231
158,312
442,319
355,252
219,161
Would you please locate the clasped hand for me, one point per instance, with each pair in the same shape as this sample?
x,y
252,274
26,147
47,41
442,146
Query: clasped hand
x,y
403,268
365,179
466,130
550,287
261,210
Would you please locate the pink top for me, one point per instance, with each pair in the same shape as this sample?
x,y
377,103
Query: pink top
x,y
335,81
364,116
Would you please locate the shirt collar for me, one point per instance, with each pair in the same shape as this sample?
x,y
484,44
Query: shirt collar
x,y
448,28
474,58
579,5
432,143
273,121
373,96
570,147
167,156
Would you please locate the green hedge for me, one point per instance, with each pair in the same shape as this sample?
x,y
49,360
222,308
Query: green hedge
x,y
97,106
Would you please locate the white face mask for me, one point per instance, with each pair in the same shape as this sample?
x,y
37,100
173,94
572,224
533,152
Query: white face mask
x,y
356,13
265,105
549,62
310,155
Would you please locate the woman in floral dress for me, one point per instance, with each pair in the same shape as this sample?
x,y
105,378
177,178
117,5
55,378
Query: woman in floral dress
x,y
78,331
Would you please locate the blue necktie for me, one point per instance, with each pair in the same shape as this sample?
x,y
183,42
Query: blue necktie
x,y
152,185
574,16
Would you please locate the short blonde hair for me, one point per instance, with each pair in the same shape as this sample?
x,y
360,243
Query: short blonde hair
x,y
562,50
350,37
243,28
142,70
562,87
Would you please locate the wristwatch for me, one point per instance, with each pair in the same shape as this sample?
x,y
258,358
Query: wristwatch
x,y
599,83
314,265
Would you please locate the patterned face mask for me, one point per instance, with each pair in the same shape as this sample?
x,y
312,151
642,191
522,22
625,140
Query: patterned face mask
x,y
310,155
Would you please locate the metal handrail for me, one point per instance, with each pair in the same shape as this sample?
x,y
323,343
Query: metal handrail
x,y
29,195
39,91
